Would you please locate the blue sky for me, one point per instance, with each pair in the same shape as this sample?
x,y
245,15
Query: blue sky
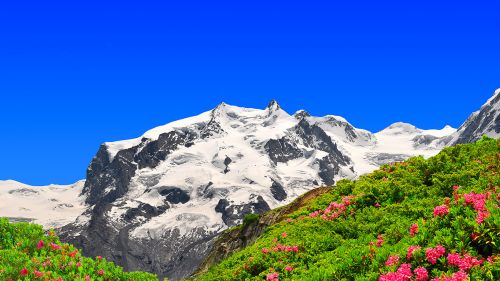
x,y
74,74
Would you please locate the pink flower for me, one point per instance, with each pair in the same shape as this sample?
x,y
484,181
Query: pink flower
x,y
404,271
456,187
314,214
402,274
380,240
100,272
72,254
284,235
98,258
392,260
59,279
288,268
465,263
433,254
413,229
476,200
272,276
23,272
265,250
54,247
87,278
41,244
421,274
411,249
453,259
78,264
441,210
481,216
38,274
459,276
377,205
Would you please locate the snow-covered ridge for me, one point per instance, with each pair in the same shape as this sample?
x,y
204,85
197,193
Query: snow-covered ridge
x,y
51,205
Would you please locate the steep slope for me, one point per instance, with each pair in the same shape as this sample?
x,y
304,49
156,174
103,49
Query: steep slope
x,y
485,121
419,218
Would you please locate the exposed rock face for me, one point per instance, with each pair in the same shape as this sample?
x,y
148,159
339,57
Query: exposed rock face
x,y
486,121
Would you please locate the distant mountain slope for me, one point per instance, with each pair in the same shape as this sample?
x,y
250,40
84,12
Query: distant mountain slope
x,y
419,218
51,206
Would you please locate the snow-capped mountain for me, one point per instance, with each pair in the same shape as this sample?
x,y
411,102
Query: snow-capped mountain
x,y
157,202
162,198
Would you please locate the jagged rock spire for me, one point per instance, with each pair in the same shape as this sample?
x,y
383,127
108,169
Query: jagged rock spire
x,y
273,105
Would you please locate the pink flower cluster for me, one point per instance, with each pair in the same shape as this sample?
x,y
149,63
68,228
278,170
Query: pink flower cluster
x,y
421,274
392,260
478,201
282,248
288,268
457,276
402,274
441,211
40,244
380,240
413,229
54,247
464,263
411,249
272,276
432,254
334,210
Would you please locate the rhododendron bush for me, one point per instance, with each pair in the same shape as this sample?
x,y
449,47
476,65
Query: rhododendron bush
x,y
27,253
434,219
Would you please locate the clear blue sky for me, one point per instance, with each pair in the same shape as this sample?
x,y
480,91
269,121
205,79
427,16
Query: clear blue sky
x,y
75,74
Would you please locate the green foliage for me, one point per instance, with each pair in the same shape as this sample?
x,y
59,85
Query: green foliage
x,y
385,204
250,218
26,253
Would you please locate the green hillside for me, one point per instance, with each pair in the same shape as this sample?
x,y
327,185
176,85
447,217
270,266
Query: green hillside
x,y
435,219
27,253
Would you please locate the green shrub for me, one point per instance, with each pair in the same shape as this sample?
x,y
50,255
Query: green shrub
x,y
26,253
250,218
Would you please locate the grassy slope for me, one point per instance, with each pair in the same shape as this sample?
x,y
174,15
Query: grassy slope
x,y
20,248
385,204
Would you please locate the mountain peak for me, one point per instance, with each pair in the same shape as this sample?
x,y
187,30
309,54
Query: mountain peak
x,y
300,114
402,125
273,105
218,110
